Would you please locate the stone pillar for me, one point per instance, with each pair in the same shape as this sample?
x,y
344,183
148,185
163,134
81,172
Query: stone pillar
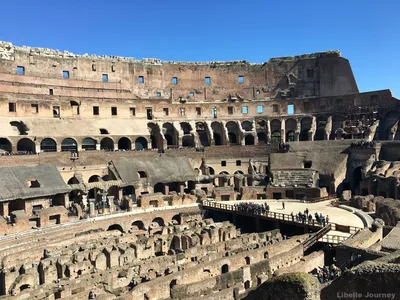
x,y
5,209
225,137
210,133
120,193
283,130
182,188
92,208
179,131
98,146
298,130
66,201
166,189
37,147
311,132
268,131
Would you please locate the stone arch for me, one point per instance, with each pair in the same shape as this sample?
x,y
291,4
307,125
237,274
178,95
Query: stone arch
x,y
69,144
5,145
140,143
73,180
186,127
107,144
156,138
177,218
159,221
204,134
305,126
290,125
26,145
337,123
124,143
233,132
247,125
139,224
224,268
247,260
89,144
249,139
128,190
48,145
320,131
223,179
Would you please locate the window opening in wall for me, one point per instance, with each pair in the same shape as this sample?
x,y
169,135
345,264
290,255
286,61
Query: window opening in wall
x,y
230,110
132,111
103,131
33,183
56,111
198,111
114,111
260,109
96,110
182,111
158,94
238,163
310,73
65,74
245,109
12,107
75,107
275,108
93,67
307,164
20,70
174,80
149,113
35,108
240,79
207,80
290,109
166,111
223,163
258,92
104,77
191,94
214,113
51,92
306,106
141,79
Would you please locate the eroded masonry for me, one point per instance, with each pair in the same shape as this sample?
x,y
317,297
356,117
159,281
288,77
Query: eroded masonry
x,y
144,179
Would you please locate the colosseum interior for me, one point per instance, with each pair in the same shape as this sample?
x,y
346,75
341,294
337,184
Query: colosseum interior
x,y
145,179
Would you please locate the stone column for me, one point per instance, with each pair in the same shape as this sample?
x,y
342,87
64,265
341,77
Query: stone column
x,y
298,130
283,130
182,188
166,189
311,132
328,128
179,130
66,201
268,131
5,208
210,133
92,208
225,137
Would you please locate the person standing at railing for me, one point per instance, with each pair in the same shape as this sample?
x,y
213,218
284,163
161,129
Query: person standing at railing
x,y
283,205
327,219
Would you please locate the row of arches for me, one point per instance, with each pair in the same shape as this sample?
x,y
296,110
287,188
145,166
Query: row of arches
x,y
70,144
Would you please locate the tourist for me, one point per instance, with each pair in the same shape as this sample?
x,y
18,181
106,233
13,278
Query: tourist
x,y
327,219
283,205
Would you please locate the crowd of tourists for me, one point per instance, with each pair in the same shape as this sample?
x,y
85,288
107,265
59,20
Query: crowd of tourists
x,y
327,273
6,153
252,208
363,144
307,217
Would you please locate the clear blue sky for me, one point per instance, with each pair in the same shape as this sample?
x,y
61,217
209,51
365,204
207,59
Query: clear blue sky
x,y
367,32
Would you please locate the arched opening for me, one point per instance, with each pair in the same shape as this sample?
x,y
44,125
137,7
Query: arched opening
x,y
249,140
305,128
357,177
159,221
140,144
5,145
247,259
232,138
172,283
202,131
94,178
247,284
211,171
159,188
247,126
320,131
266,256
26,145
217,139
107,144
155,136
290,137
224,269
262,137
69,144
73,180
89,144
223,179
177,218
24,287
142,174
188,141
233,132
276,137
124,144
128,191
103,131
186,128
138,225
48,145
218,133
115,227
337,124
170,134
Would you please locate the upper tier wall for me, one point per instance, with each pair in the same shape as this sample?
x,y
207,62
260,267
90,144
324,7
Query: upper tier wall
x,y
318,74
